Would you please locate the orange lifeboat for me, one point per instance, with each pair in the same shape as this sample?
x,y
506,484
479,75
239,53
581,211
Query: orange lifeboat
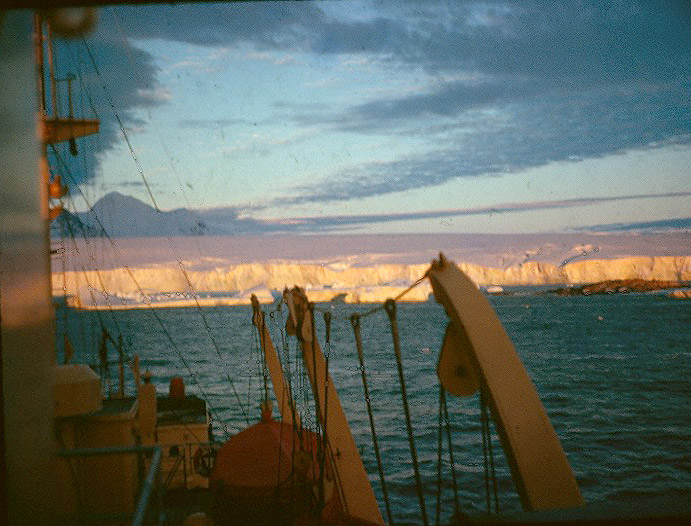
x,y
270,474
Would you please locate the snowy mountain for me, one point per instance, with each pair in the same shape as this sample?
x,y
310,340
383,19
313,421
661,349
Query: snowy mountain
x,y
123,216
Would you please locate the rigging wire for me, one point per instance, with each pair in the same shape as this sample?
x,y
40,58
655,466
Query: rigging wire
x,y
390,307
152,309
355,322
169,157
83,91
84,271
456,504
488,455
324,442
379,308
156,207
99,276
439,448
213,340
122,126
315,391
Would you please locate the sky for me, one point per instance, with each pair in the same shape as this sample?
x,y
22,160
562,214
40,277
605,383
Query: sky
x,y
390,117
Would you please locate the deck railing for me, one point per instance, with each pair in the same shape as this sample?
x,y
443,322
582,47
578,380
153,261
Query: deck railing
x,y
151,486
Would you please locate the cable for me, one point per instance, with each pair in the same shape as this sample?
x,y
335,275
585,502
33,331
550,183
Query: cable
x,y
355,323
156,207
122,126
154,313
390,307
453,466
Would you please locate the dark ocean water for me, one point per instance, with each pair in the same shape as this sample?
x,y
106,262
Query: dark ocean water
x,y
612,371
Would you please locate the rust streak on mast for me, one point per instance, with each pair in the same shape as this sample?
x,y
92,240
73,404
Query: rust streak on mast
x,y
358,495
539,467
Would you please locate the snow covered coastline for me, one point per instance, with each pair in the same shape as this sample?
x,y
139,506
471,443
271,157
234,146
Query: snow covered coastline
x,y
168,286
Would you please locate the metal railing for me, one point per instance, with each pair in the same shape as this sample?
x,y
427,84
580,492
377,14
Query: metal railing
x,y
151,485
147,487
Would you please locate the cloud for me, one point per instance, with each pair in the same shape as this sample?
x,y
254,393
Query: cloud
x,y
135,218
154,97
214,124
338,222
519,84
113,79
665,225
521,137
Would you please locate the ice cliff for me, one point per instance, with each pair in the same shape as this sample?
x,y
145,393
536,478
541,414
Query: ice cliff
x,y
233,284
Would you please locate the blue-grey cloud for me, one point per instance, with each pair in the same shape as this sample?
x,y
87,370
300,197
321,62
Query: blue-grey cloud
x,y
539,131
665,225
211,124
341,221
112,79
574,81
123,216
571,82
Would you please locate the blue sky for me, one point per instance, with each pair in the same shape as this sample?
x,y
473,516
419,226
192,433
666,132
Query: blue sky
x,y
520,116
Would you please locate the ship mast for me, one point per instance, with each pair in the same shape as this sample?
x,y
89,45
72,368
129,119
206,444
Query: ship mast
x,y
53,128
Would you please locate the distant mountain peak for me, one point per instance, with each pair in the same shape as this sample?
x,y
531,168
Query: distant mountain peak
x,y
115,200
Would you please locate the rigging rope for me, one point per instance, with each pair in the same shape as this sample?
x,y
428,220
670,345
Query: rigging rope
x,y
315,387
86,278
122,126
324,442
211,337
154,313
439,448
488,454
390,307
151,307
355,323
379,308
153,200
453,466
133,67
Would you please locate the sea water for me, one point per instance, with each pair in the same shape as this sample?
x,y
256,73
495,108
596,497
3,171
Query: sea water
x,y
613,373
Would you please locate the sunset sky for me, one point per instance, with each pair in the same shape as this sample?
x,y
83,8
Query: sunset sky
x,y
382,117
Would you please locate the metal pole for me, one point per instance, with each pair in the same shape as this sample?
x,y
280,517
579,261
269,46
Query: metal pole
x,y
51,69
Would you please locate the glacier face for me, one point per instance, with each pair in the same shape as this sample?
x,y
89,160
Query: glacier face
x,y
170,284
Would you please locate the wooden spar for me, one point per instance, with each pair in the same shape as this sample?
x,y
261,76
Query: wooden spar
x,y
58,130
357,493
539,467
284,397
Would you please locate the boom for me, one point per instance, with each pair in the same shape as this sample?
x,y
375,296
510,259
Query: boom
x,y
539,466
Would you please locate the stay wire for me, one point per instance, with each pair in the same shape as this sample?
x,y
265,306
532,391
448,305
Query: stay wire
x,y
379,308
456,503
127,47
152,309
156,207
315,387
213,340
355,323
390,307
491,464
285,363
122,126
86,277
324,443
485,459
488,454
439,448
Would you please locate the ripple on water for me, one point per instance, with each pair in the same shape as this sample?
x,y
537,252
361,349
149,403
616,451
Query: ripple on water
x,y
617,389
